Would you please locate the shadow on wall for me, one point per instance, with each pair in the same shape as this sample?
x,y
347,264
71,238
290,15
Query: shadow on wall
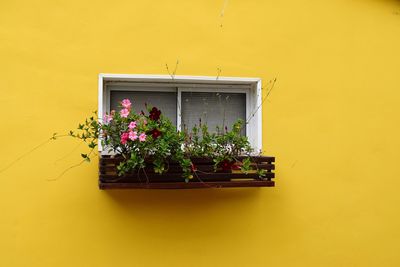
x,y
196,199
190,213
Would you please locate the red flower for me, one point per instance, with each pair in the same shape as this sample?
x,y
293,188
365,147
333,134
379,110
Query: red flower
x,y
226,165
155,114
235,166
155,133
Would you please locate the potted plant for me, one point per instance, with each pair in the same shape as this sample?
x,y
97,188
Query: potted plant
x,y
145,148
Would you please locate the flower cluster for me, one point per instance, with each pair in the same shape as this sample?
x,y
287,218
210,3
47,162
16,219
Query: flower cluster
x,y
155,114
132,132
137,137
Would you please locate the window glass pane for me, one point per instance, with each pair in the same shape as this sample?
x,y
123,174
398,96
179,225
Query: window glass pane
x,y
165,101
215,109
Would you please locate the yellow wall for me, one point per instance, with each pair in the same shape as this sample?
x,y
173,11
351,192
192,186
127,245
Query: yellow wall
x,y
332,122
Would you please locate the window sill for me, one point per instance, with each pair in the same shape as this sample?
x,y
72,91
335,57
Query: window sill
x,y
205,177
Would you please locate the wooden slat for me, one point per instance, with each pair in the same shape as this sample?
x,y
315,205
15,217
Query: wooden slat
x,y
265,166
189,185
258,159
168,176
171,168
178,169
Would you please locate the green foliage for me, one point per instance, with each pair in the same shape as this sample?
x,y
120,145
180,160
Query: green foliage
x,y
223,147
261,173
142,138
85,157
246,165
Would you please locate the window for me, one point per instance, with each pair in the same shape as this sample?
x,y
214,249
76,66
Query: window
x,y
186,99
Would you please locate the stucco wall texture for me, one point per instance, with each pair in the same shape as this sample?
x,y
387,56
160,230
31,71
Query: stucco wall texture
x,y
332,122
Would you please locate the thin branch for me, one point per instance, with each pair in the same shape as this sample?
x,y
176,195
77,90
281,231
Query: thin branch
x,y
147,177
176,67
72,167
201,181
169,73
262,101
69,153
223,12
218,73
66,170
54,137
174,72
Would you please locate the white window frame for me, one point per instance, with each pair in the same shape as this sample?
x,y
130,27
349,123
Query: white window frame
x,y
250,86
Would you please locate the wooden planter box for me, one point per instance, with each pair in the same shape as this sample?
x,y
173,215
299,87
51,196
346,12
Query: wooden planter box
x,y
204,177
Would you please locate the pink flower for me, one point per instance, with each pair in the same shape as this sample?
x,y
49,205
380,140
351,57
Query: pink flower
x,y
124,113
126,103
132,125
133,135
142,137
107,118
144,121
124,138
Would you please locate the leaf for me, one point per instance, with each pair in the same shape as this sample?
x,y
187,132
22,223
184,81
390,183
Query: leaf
x,y
261,173
246,165
92,145
54,137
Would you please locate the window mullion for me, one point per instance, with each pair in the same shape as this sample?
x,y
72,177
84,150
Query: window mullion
x,y
178,109
248,111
